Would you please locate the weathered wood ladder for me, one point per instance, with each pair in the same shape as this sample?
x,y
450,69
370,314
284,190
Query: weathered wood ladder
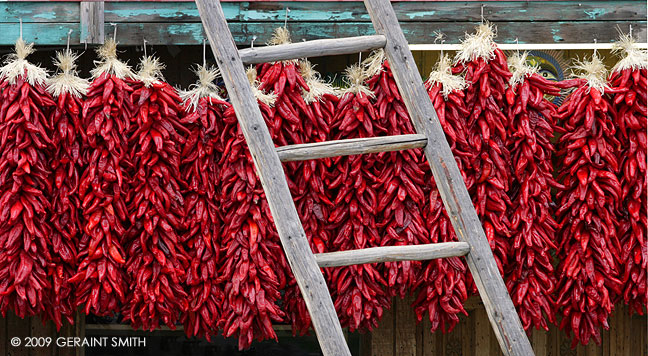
x,y
306,265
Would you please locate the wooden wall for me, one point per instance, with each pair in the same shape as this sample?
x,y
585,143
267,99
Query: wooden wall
x,y
48,23
12,326
399,335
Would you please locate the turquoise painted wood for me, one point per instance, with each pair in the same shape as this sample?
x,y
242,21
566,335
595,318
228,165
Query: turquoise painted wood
x,y
47,23
435,11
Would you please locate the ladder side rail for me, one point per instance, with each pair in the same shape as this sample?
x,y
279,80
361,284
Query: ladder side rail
x,y
293,239
499,307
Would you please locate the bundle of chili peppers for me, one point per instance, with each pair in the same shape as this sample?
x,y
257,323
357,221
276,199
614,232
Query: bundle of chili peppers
x,y
487,73
204,110
101,282
441,283
25,186
588,273
628,79
312,198
67,89
255,267
530,279
157,259
399,177
359,291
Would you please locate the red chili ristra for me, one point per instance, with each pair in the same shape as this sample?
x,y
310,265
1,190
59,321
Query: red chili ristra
x,y
25,186
628,94
68,136
530,278
156,258
313,199
359,292
399,179
487,73
441,284
101,282
255,266
588,272
203,221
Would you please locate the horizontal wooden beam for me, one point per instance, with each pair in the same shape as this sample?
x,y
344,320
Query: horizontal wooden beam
x,y
392,254
354,11
315,48
354,146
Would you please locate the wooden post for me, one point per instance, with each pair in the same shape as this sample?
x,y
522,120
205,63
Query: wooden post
x,y
271,174
92,22
457,201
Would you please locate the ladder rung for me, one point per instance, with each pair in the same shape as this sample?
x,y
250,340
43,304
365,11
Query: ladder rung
x,y
354,146
315,48
392,253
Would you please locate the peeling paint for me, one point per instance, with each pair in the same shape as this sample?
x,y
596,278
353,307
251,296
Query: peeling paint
x,y
415,14
594,13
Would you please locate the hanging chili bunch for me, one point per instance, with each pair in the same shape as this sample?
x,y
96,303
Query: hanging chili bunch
x,y
25,187
313,199
588,273
203,220
101,282
441,283
399,177
359,292
157,259
255,267
68,134
530,279
291,118
487,73
628,79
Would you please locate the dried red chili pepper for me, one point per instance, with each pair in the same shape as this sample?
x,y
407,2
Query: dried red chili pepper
x,y
628,96
255,266
313,199
530,278
156,258
203,221
67,89
441,283
399,177
25,187
359,292
487,73
588,273
101,283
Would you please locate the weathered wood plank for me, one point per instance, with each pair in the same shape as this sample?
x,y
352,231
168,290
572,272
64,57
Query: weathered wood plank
x,y
38,329
457,201
415,32
405,326
3,336
92,22
315,48
291,233
39,11
429,344
19,328
354,146
539,339
383,338
482,330
392,253
467,325
354,11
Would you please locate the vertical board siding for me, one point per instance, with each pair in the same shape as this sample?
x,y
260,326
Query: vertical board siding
x,y
474,336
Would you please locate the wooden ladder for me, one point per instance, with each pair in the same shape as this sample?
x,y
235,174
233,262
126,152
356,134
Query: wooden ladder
x,y
430,136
